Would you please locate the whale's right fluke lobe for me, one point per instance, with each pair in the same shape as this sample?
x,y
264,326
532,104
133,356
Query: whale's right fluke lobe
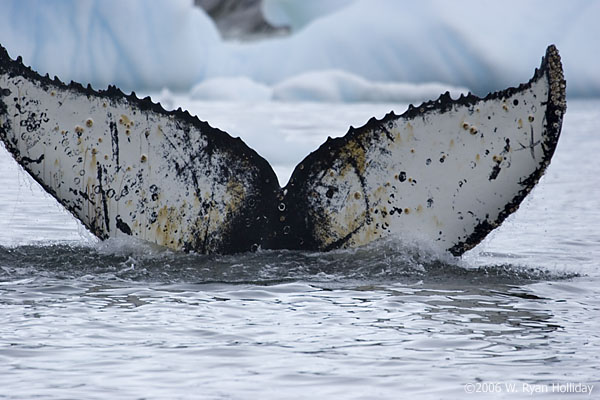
x,y
448,171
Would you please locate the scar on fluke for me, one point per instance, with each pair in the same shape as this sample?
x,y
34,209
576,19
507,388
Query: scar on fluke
x,y
447,171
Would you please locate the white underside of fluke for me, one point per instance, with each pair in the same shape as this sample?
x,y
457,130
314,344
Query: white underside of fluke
x,y
434,177
447,172
122,170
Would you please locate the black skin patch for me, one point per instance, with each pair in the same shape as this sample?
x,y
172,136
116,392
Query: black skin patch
x,y
261,221
114,137
122,226
495,172
104,199
27,160
330,192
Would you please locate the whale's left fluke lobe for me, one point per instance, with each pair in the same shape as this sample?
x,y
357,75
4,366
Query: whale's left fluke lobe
x,y
447,172
124,165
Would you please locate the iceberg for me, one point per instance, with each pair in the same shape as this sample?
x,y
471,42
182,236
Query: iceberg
x,y
480,45
338,86
239,88
145,46
131,44
331,86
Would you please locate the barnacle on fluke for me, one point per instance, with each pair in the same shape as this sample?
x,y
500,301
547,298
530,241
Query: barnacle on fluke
x,y
447,172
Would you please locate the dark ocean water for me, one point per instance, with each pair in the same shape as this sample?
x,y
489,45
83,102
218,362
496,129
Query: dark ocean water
x,y
520,313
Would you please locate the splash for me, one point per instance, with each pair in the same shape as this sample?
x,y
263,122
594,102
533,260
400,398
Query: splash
x,y
380,263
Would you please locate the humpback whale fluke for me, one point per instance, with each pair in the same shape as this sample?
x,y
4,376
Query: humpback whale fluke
x,y
448,171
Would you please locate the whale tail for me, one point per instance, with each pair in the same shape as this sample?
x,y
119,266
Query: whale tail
x,y
448,171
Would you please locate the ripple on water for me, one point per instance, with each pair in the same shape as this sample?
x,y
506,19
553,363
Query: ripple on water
x,y
382,262
388,319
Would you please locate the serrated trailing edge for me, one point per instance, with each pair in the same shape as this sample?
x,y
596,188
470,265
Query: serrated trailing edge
x,y
447,171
